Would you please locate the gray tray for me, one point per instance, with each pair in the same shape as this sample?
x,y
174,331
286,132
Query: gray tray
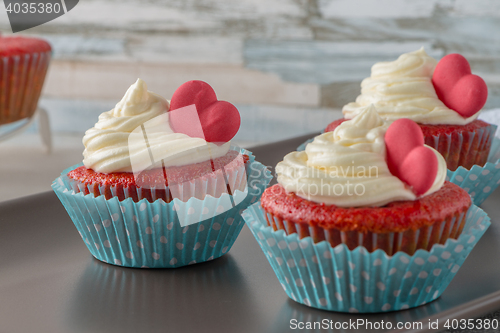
x,y
49,282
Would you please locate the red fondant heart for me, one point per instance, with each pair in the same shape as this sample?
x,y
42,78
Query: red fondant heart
x,y
457,88
219,120
408,158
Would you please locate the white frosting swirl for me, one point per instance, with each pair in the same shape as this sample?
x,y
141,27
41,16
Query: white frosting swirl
x,y
348,168
108,145
403,89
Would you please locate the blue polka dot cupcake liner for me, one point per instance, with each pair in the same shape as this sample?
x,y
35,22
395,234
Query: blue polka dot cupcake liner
x,y
159,234
343,280
479,181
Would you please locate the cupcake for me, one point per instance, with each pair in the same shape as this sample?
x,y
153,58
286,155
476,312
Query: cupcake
x,y
445,99
23,65
363,219
150,195
417,87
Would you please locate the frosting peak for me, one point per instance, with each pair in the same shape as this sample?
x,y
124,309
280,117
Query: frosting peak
x,y
361,130
413,64
403,89
348,168
136,100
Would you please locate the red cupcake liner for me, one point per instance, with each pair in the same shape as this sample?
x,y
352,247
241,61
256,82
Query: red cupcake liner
x,y
407,241
21,82
464,148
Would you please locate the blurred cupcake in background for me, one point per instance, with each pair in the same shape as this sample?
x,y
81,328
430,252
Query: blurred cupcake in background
x,y
363,219
150,196
23,65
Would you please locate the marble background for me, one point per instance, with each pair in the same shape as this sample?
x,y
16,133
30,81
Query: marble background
x,y
289,65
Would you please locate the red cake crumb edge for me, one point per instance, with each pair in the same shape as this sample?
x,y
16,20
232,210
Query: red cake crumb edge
x,y
155,177
397,216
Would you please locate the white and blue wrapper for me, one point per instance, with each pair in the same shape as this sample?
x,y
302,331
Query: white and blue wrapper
x,y
337,279
150,235
479,181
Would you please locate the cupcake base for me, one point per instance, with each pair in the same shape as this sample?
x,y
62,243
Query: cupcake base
x,y
338,279
149,235
152,234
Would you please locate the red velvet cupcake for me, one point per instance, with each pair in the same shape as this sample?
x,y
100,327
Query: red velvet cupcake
x,y
23,65
443,98
161,186
368,184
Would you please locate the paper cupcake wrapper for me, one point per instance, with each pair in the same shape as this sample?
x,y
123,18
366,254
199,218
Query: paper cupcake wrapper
x,y
338,279
150,234
464,149
479,181
21,82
